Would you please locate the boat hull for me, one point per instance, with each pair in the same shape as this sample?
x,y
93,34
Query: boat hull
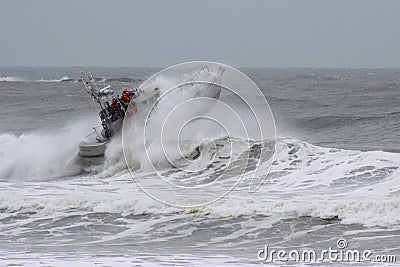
x,y
92,153
92,150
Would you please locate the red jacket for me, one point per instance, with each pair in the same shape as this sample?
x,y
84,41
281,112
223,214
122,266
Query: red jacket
x,y
125,98
114,106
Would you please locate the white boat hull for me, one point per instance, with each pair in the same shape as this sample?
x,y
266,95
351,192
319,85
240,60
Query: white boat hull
x,y
91,150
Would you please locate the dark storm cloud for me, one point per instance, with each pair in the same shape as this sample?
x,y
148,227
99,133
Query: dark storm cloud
x,y
280,33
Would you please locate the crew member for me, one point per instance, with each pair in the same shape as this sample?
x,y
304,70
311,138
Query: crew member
x,y
125,98
114,109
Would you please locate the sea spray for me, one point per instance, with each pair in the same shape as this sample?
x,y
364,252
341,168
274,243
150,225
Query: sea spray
x,y
42,155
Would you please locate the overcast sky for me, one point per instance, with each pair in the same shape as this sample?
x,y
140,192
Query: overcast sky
x,y
262,33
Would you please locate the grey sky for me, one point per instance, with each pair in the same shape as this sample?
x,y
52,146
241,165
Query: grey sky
x,y
336,33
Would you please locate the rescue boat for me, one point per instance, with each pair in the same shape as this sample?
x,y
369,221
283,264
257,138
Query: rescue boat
x,y
92,148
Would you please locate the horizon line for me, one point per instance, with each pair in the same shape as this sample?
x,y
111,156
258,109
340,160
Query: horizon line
x,y
249,67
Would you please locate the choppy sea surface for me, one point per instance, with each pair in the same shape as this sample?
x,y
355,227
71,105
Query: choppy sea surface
x,y
335,176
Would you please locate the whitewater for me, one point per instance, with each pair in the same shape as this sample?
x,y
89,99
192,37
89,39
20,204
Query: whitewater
x,y
335,174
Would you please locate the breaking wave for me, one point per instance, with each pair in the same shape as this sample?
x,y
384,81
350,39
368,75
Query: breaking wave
x,y
12,79
41,156
305,180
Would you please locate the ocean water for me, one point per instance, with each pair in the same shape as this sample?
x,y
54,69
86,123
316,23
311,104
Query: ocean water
x,y
335,176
